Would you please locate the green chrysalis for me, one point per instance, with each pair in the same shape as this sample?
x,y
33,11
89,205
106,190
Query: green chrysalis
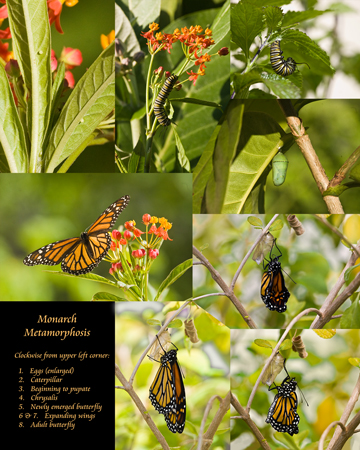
x,y
279,168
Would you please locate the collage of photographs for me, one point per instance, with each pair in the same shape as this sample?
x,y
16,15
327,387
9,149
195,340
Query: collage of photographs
x,y
196,165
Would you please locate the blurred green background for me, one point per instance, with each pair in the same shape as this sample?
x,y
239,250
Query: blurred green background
x,y
36,210
314,261
333,127
83,25
205,366
326,378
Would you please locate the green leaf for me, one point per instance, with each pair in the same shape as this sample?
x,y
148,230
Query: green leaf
x,y
12,136
348,271
203,171
286,345
246,24
277,225
146,11
274,17
30,30
125,32
137,159
255,221
263,343
308,47
260,139
354,362
90,102
87,276
174,275
351,316
177,323
106,297
293,17
224,153
196,101
181,157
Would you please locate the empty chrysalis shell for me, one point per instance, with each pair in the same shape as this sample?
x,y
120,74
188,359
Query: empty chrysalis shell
x,y
279,168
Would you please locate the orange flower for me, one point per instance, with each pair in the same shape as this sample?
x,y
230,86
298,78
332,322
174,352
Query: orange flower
x,y
107,40
5,54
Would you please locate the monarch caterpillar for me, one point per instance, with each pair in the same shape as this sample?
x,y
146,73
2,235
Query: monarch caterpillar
x,y
278,62
159,110
273,290
282,415
279,168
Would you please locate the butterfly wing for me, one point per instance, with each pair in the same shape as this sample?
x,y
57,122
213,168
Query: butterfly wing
x,y
282,414
52,254
273,290
162,390
108,218
87,254
175,419
81,255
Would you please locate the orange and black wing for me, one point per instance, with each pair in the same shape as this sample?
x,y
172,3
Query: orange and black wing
x,y
175,419
282,413
81,255
162,389
52,254
87,254
273,290
108,218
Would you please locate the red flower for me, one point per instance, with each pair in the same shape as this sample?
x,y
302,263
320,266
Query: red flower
x,y
127,235
116,235
69,77
53,62
54,8
146,219
153,253
72,57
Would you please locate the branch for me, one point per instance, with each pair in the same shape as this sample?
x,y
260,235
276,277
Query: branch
x,y
176,313
205,440
342,172
246,417
248,254
130,390
303,141
326,432
339,435
228,292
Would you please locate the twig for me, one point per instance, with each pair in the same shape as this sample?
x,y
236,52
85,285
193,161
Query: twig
x,y
248,254
338,233
342,172
130,390
345,415
329,301
205,440
176,313
209,295
326,432
228,292
246,417
303,141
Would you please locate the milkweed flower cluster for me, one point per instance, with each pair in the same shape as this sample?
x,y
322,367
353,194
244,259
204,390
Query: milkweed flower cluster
x,y
133,251
194,42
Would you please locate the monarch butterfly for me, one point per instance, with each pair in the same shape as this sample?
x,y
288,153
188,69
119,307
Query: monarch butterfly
x,y
273,290
159,110
82,254
282,415
278,62
167,392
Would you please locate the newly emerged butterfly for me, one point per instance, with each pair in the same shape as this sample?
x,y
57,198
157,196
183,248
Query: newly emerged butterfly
x,y
278,62
273,290
282,415
80,255
159,106
167,392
